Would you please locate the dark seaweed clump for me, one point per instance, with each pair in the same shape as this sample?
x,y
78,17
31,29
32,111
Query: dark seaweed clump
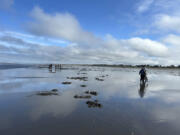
x,y
48,93
78,78
82,96
91,92
66,82
93,104
83,85
90,103
99,79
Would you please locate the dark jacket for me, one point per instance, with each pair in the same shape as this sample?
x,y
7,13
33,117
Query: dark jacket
x,y
142,72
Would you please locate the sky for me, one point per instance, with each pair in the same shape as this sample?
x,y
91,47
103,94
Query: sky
x,y
90,31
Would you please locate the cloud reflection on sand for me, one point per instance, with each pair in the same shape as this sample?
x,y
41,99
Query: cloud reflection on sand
x,y
118,100
56,106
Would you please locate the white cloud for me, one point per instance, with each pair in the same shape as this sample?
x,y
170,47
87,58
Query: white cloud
x,y
140,45
162,16
167,22
158,6
166,6
144,5
81,45
152,48
59,25
111,51
172,39
90,48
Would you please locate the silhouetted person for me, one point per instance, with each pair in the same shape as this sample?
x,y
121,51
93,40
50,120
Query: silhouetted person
x,y
143,75
50,66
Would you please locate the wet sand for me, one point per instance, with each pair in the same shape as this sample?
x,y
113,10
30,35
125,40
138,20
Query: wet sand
x,y
35,101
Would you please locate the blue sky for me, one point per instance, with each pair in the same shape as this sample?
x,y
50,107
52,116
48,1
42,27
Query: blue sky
x,y
90,31
99,17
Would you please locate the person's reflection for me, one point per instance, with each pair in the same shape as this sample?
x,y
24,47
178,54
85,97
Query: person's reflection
x,y
142,89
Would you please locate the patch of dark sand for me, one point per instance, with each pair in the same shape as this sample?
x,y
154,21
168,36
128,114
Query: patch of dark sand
x,y
48,93
54,90
66,82
83,69
82,96
99,79
83,85
93,104
104,76
92,93
78,78
82,73
90,103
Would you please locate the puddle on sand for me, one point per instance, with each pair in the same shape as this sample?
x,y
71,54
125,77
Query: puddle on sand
x,y
118,105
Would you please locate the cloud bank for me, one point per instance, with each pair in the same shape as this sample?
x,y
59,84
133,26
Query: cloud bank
x,y
59,25
81,46
168,22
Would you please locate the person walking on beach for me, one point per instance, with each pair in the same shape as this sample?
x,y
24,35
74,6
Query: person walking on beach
x,y
142,73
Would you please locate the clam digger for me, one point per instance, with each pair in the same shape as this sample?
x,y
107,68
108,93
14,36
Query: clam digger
x,y
143,75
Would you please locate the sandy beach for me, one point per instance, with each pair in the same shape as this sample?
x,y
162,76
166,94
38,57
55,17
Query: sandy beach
x,y
92,100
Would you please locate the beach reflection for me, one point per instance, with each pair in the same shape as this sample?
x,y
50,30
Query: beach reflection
x,y
115,103
56,106
142,90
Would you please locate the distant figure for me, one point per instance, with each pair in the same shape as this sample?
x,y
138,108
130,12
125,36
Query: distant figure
x,y
143,75
50,66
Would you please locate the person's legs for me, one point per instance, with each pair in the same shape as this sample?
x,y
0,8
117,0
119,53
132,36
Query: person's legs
x,y
142,78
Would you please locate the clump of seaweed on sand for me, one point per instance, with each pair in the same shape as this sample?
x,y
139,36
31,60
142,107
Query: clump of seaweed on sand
x,y
46,93
90,103
78,78
93,104
66,82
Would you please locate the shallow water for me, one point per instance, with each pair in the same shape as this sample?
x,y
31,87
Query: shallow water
x,y
121,106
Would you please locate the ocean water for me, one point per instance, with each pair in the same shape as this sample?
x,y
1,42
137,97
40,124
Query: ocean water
x,y
105,101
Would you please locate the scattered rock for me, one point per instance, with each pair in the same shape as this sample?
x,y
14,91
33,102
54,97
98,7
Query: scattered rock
x,y
83,69
98,79
91,92
83,85
104,75
78,78
54,90
93,104
82,96
46,93
66,82
82,73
